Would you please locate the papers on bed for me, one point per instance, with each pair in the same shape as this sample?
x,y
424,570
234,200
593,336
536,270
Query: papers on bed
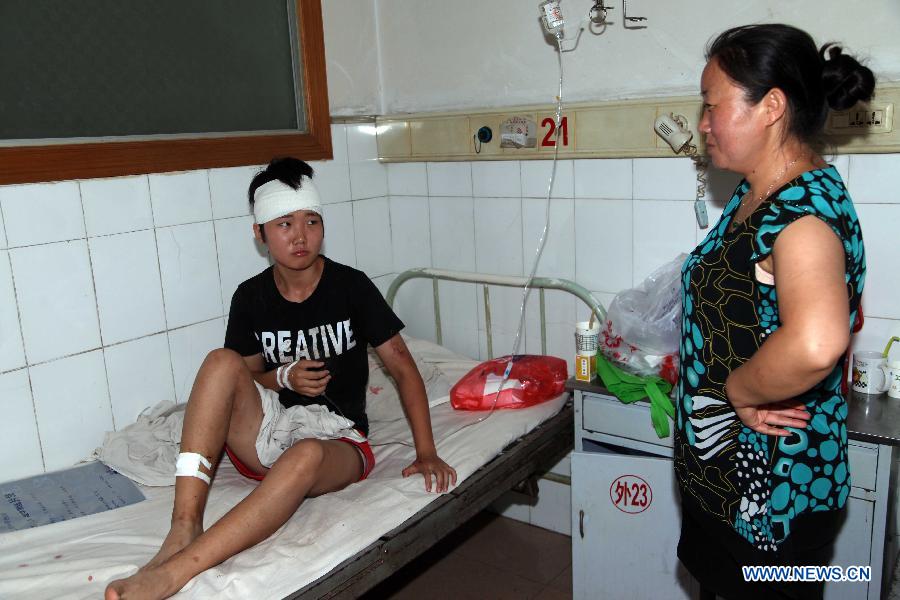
x,y
322,533
54,497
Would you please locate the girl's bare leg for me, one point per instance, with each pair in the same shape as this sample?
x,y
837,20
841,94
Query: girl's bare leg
x,y
224,406
309,468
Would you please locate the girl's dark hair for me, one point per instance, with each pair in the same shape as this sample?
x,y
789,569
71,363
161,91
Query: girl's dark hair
x,y
761,57
287,170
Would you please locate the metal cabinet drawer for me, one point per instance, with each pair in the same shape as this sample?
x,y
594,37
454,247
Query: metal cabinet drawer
x,y
606,414
863,465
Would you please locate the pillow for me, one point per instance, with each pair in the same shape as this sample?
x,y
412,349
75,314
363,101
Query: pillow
x,y
383,398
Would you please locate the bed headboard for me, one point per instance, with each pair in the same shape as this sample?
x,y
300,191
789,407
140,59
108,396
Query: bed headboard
x,y
539,283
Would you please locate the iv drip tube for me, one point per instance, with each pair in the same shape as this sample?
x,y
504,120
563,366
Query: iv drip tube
x,y
526,290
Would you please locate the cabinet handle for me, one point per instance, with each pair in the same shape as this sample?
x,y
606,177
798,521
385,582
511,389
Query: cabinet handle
x,y
581,523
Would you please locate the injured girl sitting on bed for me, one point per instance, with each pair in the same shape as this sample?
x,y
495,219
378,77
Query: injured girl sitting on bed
x,y
295,353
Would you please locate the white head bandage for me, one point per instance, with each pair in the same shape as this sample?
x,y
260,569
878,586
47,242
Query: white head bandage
x,y
275,199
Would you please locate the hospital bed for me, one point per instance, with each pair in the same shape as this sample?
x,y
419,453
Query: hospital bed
x,y
341,544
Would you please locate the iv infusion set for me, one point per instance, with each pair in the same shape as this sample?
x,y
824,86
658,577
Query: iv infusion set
x,y
555,25
672,128
566,39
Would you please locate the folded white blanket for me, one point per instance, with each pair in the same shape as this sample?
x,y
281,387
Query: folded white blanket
x,y
146,450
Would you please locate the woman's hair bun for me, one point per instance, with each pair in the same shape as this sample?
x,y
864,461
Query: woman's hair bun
x,y
844,80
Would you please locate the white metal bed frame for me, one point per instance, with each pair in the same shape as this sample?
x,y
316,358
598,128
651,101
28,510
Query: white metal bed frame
x,y
531,454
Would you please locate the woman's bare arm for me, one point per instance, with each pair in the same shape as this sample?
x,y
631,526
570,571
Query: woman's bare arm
x,y
813,309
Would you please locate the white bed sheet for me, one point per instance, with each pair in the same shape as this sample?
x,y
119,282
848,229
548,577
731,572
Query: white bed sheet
x,y
76,559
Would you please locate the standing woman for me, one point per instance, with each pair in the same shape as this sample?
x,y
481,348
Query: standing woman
x,y
769,299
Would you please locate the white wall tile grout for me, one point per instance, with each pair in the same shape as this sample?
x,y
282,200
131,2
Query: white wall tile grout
x,y
26,367
165,312
3,225
201,222
353,230
112,413
215,240
111,345
632,221
93,282
430,234
390,234
428,213
62,357
12,276
37,427
65,241
106,235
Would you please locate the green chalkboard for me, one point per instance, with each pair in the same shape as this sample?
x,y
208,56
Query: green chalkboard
x,y
110,68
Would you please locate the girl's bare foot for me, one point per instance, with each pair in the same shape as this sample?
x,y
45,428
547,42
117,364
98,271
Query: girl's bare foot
x,y
147,584
182,533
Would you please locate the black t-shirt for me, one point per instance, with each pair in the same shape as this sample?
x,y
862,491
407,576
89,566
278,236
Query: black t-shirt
x,y
343,314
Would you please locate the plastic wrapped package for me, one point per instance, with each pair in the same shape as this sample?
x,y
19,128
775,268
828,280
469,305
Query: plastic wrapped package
x,y
642,333
532,380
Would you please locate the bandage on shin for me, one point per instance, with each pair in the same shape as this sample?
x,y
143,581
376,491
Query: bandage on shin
x,y
188,465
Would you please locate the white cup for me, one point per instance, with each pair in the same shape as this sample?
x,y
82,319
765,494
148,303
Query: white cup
x,y
869,375
892,375
586,338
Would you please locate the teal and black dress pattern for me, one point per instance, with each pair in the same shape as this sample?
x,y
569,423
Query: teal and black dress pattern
x,y
754,483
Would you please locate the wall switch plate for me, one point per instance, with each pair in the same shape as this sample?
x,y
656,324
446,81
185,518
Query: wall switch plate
x,y
875,118
608,129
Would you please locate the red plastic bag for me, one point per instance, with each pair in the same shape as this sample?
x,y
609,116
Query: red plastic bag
x,y
532,380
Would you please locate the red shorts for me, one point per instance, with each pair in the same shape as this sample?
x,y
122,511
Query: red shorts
x,y
363,447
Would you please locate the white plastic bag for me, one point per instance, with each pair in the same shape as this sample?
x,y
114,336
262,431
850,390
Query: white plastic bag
x,y
643,327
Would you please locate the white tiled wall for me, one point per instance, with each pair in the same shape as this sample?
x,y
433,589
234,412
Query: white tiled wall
x,y
113,291
612,222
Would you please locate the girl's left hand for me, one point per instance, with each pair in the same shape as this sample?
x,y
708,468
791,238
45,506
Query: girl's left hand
x,y
444,474
770,419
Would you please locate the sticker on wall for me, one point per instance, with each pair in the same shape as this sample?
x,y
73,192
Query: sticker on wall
x,y
630,494
518,132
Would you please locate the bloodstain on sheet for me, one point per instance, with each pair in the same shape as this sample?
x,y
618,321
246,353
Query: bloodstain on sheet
x,y
375,389
57,557
90,577
23,565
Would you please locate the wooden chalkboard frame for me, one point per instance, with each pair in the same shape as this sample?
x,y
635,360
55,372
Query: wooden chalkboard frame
x,y
56,162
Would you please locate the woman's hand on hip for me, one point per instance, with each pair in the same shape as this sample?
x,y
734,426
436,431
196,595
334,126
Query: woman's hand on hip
x,y
771,419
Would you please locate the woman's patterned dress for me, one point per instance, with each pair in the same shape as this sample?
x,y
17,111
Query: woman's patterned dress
x,y
756,484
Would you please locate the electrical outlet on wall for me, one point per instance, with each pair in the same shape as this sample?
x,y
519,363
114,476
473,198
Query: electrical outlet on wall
x,y
875,118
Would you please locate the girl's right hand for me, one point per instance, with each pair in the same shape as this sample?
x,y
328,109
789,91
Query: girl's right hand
x,y
309,377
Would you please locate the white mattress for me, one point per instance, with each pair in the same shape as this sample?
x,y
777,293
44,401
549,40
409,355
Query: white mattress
x,y
77,558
